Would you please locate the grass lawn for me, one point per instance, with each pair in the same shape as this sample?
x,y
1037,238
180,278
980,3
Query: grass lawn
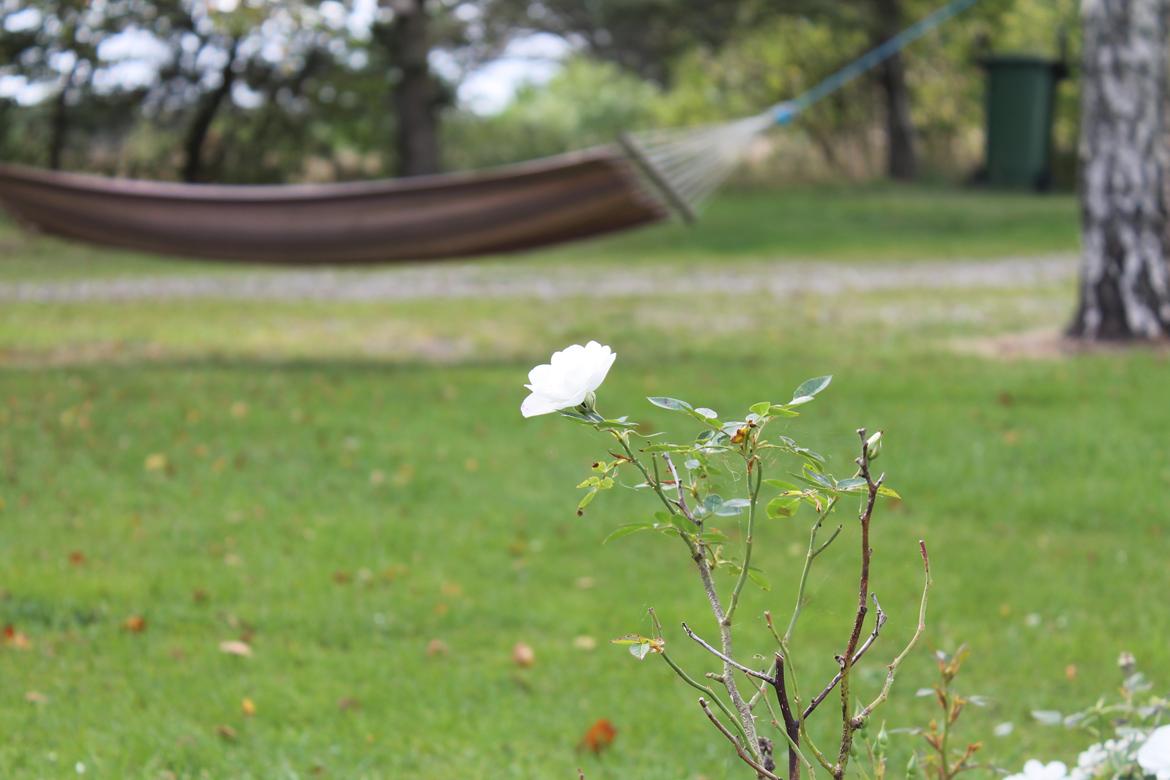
x,y
876,222
339,486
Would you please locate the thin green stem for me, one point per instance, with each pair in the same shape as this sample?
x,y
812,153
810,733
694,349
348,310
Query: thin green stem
x,y
810,556
748,542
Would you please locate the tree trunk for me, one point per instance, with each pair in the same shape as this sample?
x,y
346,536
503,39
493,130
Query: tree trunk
x,y
901,159
1125,279
204,116
415,96
59,125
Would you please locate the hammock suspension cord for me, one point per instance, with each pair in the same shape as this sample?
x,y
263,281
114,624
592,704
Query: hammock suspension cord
x,y
686,165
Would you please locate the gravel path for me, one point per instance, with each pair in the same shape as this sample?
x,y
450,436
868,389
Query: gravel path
x,y
461,281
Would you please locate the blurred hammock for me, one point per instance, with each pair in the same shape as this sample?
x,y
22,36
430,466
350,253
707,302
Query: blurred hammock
x,y
643,178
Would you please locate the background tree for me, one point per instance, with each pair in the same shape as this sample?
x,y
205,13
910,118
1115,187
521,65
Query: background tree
x,y
1125,280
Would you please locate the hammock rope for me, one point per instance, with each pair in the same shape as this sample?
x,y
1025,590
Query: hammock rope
x,y
687,165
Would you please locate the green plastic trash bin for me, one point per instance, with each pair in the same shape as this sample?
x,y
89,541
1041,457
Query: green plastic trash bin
x,y
1021,98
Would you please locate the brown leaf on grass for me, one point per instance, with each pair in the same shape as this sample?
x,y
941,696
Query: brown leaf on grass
x,y
248,707
77,558
523,655
1070,671
342,577
348,703
598,737
585,642
239,410
15,639
437,647
236,647
199,596
135,624
226,732
156,461
35,697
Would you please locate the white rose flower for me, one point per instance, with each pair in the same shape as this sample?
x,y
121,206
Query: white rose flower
x,y
568,379
1154,755
1036,770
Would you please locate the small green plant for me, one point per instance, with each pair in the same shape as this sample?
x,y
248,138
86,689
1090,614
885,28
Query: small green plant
x,y
943,760
724,474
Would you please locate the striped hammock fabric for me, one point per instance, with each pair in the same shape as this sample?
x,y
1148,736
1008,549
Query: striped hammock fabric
x,y
505,209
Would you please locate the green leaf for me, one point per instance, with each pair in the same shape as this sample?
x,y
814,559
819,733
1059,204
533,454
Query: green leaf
x,y
758,578
782,506
761,408
616,425
779,483
672,404
664,447
732,506
851,485
780,410
810,387
813,475
592,494
888,492
627,530
714,536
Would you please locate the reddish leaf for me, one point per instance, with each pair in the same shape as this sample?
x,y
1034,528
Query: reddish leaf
x,y
598,737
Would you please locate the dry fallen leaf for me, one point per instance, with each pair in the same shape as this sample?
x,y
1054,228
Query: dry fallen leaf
x,y
236,647
226,732
77,558
239,410
248,707
598,737
15,639
585,583
35,697
135,624
585,643
437,647
1070,671
156,461
523,655
348,703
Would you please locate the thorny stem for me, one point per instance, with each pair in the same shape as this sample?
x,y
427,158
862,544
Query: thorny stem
x,y
849,724
746,721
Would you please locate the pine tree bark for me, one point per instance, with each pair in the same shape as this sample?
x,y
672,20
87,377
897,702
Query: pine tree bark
x,y
415,96
901,157
1125,279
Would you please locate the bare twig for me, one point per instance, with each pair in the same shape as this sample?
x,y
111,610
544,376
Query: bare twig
x,y
682,500
726,660
743,754
892,669
848,726
791,724
873,635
